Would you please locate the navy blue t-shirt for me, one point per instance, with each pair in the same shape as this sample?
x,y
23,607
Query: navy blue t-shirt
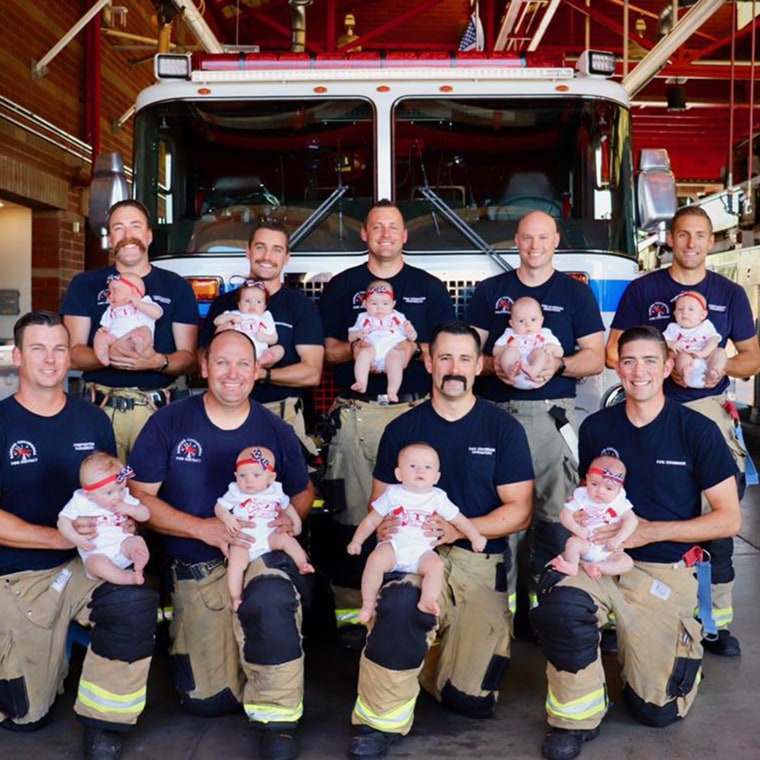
x,y
39,470
484,449
194,460
420,297
669,462
650,300
87,296
296,318
570,312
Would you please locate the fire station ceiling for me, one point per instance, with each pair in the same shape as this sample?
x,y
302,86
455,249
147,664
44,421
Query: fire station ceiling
x,y
688,65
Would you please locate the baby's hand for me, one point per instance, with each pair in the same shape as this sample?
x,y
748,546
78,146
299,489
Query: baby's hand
x,y
411,333
354,548
479,544
232,525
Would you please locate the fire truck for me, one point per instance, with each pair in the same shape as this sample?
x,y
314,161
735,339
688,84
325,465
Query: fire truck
x,y
465,144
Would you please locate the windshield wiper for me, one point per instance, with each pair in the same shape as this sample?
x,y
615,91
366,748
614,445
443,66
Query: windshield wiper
x,y
459,224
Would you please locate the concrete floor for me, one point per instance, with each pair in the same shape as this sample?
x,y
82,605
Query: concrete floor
x,y
723,722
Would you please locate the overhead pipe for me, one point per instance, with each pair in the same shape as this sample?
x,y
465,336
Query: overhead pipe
x,y
298,25
202,31
659,54
39,68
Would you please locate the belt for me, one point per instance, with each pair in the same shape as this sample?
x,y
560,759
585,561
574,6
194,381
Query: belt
x,y
154,398
382,398
197,571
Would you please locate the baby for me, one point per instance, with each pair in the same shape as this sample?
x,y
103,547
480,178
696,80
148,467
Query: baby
x,y
381,329
526,348
253,501
410,550
105,497
131,313
694,341
604,502
252,318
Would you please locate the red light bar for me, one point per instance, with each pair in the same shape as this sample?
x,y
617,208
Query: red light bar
x,y
305,61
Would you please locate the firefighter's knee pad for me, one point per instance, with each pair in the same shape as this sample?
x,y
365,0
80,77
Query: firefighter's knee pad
x,y
269,617
566,626
398,640
222,703
124,620
721,552
649,714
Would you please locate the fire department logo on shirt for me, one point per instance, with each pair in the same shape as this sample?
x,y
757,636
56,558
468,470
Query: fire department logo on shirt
x,y
609,451
358,300
22,452
103,297
503,305
189,450
659,310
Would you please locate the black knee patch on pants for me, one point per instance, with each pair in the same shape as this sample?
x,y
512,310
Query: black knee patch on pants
x,y
565,623
466,704
279,560
398,640
496,672
649,714
124,620
223,703
268,617
721,552
548,540
14,698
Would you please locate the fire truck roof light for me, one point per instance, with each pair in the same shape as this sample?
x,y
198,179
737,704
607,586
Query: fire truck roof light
x,y
596,63
172,66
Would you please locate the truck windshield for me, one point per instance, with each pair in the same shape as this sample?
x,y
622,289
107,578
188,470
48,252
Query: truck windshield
x,y
464,171
210,170
492,161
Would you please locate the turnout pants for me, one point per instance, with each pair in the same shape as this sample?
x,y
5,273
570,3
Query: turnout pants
x,y
659,643
37,608
722,550
348,485
470,651
556,476
221,659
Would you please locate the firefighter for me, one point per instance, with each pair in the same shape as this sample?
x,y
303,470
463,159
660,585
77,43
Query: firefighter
x,y
183,460
486,471
672,454
650,300
44,436
136,382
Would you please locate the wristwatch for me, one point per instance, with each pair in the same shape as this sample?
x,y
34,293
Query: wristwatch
x,y
561,369
163,367
267,376
417,351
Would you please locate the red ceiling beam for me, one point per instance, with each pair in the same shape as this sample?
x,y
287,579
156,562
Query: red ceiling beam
x,y
388,26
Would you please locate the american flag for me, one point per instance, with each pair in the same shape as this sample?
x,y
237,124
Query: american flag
x,y
473,37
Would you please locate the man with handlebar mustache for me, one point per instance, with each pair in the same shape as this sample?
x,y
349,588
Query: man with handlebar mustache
x,y
138,380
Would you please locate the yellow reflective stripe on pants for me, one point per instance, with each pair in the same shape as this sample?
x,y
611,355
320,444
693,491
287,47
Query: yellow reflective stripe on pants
x,y
273,713
347,617
392,722
723,616
108,702
579,709
512,603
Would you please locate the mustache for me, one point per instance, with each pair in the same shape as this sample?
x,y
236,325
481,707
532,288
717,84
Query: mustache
x,y
124,242
461,378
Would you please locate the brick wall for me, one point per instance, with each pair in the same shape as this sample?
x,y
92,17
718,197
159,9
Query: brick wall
x,y
44,170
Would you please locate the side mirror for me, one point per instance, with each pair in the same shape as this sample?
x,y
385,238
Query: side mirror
x,y
655,190
108,186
